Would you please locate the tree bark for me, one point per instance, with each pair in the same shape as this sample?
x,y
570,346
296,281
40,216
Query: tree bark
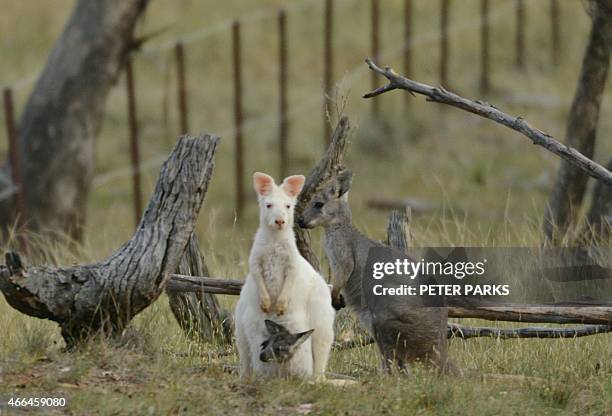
x,y
329,166
107,295
599,218
198,314
570,185
64,112
398,231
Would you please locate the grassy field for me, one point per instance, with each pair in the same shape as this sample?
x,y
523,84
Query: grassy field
x,y
487,184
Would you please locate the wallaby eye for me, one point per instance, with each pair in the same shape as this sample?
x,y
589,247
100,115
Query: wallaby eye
x,y
288,206
268,205
319,205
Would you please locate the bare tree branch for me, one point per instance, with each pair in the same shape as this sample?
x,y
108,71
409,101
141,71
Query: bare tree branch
x,y
488,111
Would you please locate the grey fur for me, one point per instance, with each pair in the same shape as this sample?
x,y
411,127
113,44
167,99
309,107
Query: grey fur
x,y
282,344
404,333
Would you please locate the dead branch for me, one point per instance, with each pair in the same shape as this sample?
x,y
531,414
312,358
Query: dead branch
x,y
329,166
486,110
107,295
196,284
600,314
466,332
545,313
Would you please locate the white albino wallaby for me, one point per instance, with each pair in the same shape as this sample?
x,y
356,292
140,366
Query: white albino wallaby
x,y
282,286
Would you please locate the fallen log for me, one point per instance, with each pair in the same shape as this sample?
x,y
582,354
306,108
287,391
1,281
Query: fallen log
x,y
466,332
543,313
196,284
105,296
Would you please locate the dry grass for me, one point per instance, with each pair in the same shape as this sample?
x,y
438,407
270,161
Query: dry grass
x,y
490,183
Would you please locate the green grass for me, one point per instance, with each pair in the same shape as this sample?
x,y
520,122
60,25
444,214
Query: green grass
x,y
491,184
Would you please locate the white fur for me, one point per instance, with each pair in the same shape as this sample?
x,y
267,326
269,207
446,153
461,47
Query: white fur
x,y
282,286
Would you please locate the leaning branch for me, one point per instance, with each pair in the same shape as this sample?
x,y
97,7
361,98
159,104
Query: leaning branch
x,y
486,110
329,166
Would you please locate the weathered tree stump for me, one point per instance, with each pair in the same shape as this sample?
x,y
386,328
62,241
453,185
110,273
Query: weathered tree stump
x,y
105,296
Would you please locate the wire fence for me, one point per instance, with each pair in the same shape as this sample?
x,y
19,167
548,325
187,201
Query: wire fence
x,y
313,100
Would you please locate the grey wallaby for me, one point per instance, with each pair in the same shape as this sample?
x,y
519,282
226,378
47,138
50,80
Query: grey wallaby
x,y
282,344
404,333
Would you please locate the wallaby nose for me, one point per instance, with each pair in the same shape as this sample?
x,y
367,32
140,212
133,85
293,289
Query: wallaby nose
x,y
301,222
279,222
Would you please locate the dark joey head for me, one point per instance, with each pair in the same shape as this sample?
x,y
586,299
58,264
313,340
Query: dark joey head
x,y
282,344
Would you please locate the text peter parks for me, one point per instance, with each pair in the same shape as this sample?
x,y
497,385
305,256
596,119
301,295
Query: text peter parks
x,y
482,276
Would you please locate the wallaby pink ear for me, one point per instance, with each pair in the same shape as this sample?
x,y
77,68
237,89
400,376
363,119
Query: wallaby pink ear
x,y
292,185
262,183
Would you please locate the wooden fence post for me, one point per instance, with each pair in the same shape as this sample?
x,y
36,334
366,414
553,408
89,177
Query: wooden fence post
x,y
283,126
238,117
134,139
11,134
181,88
520,34
444,47
555,17
328,66
484,45
374,15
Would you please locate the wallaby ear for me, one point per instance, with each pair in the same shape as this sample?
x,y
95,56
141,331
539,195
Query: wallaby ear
x,y
292,185
301,337
274,328
262,183
344,181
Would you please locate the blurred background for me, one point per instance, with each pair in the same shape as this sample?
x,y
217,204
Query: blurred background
x,y
469,180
